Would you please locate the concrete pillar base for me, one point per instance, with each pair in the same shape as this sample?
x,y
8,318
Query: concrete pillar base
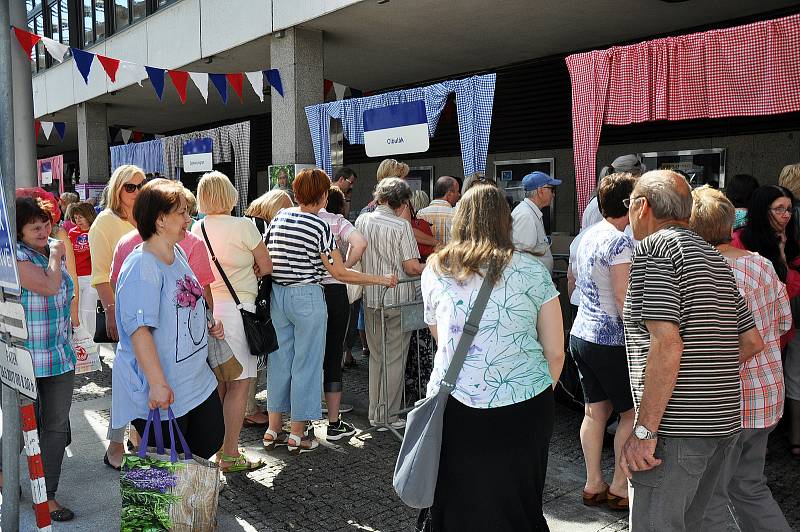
x,y
93,155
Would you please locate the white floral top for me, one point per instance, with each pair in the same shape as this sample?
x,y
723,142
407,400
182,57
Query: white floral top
x,y
505,364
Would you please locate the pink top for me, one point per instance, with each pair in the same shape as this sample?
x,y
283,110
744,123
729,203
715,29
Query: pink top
x,y
192,244
762,375
341,229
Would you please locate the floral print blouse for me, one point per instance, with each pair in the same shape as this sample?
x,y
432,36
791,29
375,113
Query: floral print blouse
x,y
505,364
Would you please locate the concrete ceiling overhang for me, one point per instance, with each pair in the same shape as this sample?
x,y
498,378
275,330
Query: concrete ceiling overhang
x,y
372,46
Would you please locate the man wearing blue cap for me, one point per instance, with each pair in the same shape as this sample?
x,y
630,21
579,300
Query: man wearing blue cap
x,y
528,231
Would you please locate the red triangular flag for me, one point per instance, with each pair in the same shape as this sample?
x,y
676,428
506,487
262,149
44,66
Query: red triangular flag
x,y
26,40
237,81
179,78
110,65
326,87
138,136
37,126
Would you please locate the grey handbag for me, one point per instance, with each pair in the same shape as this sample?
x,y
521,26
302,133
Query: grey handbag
x,y
418,462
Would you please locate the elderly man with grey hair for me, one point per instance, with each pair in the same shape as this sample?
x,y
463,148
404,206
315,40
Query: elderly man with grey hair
x,y
687,329
391,249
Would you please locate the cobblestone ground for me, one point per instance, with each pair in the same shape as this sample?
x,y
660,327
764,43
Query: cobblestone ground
x,y
348,486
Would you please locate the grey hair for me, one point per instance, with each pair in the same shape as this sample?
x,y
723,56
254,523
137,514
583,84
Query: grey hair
x,y
667,199
392,191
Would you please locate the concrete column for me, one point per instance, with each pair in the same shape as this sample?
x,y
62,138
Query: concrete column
x,y
93,155
297,54
24,143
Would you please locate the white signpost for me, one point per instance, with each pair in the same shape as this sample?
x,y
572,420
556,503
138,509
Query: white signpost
x,y
16,370
396,129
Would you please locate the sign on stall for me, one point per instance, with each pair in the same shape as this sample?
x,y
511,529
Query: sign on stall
x,y
16,369
197,155
396,129
47,172
9,278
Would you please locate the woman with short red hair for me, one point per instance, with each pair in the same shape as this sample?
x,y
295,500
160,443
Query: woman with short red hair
x,y
303,252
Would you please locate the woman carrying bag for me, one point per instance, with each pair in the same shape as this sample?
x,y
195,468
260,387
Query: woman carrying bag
x,y
506,381
163,332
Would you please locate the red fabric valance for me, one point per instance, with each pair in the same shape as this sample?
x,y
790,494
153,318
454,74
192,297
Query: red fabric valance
x,y
743,71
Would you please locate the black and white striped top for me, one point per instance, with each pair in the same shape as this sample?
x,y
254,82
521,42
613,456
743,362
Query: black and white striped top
x,y
295,240
676,276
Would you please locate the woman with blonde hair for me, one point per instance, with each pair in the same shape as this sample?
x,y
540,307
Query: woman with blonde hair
x,y
742,483
790,178
114,222
261,212
509,378
242,257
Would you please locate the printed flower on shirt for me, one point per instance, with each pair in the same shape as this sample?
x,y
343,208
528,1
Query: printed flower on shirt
x,y
188,292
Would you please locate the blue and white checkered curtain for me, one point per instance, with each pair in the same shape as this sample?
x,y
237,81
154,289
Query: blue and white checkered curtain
x,y
474,101
149,156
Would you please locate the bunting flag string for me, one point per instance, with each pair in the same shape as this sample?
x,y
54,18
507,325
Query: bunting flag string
x,y
37,126
61,128
47,129
122,71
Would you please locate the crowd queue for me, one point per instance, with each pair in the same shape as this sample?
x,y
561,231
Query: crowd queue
x,y
684,328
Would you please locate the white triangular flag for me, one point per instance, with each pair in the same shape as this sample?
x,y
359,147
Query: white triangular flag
x,y
159,136
339,89
256,79
130,73
126,135
47,128
200,80
56,50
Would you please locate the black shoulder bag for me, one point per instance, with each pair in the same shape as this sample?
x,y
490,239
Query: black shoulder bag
x,y
258,328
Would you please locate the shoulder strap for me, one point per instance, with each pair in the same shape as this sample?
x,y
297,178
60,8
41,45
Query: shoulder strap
x,y
218,265
470,330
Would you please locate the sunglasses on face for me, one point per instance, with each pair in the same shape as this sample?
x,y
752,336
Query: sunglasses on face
x,y
130,188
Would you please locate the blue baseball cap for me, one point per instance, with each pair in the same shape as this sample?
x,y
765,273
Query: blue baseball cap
x,y
536,180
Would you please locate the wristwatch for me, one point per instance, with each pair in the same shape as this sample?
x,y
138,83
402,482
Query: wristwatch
x,y
643,433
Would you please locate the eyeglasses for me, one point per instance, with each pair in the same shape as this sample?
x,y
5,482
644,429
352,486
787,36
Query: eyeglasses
x,y
551,189
627,202
781,211
130,188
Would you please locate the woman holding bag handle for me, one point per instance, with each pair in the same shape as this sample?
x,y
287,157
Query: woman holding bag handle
x,y
162,350
507,378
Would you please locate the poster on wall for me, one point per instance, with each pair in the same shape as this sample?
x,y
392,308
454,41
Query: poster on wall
x,y
47,173
281,176
699,167
421,178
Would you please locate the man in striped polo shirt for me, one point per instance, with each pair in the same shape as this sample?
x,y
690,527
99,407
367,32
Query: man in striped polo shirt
x,y
687,328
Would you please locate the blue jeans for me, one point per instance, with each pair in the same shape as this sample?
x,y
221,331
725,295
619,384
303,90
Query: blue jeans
x,y
294,371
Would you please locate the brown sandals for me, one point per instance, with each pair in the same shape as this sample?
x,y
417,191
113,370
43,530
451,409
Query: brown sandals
x,y
615,502
595,499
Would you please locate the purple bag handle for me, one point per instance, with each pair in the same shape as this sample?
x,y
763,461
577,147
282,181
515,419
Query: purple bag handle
x,y
173,456
154,419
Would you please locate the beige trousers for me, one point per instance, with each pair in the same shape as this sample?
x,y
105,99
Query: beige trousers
x,y
397,343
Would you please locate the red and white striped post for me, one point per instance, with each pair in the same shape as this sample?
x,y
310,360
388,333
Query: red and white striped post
x,y
35,467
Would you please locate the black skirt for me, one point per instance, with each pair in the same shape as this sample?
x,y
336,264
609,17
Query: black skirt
x,y
492,467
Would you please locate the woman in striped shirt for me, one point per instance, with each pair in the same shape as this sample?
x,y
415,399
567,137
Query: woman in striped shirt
x,y
303,253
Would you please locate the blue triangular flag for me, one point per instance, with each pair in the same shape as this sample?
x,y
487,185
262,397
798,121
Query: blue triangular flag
x,y
156,76
274,79
83,60
221,83
61,128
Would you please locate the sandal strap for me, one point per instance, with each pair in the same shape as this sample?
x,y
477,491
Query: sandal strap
x,y
300,440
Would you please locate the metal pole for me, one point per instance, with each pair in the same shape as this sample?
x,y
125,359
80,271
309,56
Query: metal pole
x,y
10,397
24,174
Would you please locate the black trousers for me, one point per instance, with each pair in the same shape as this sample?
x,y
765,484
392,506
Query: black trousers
x,y
52,419
203,427
338,316
493,485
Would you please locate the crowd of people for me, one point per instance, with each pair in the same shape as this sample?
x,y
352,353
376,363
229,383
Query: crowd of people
x,y
684,330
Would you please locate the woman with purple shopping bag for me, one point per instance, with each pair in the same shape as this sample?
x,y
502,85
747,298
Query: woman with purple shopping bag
x,y
161,355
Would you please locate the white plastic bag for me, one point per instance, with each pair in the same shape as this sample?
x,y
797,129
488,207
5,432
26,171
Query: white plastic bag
x,y
87,353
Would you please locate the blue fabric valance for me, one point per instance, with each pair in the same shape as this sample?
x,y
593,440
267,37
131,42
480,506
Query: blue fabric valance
x,y
149,156
474,101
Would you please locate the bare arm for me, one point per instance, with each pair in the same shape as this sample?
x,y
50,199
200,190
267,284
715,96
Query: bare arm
x,y
345,275
358,245
263,262
105,292
750,344
434,333
550,329
413,267
619,283
43,281
144,348
208,296
661,372
570,281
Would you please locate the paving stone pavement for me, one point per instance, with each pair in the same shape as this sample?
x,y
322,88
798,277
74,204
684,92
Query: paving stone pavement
x,y
348,486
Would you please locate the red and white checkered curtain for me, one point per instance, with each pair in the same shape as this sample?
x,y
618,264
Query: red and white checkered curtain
x,y
743,71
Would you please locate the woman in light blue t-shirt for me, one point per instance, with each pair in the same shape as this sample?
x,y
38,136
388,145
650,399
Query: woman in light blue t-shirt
x,y
163,332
